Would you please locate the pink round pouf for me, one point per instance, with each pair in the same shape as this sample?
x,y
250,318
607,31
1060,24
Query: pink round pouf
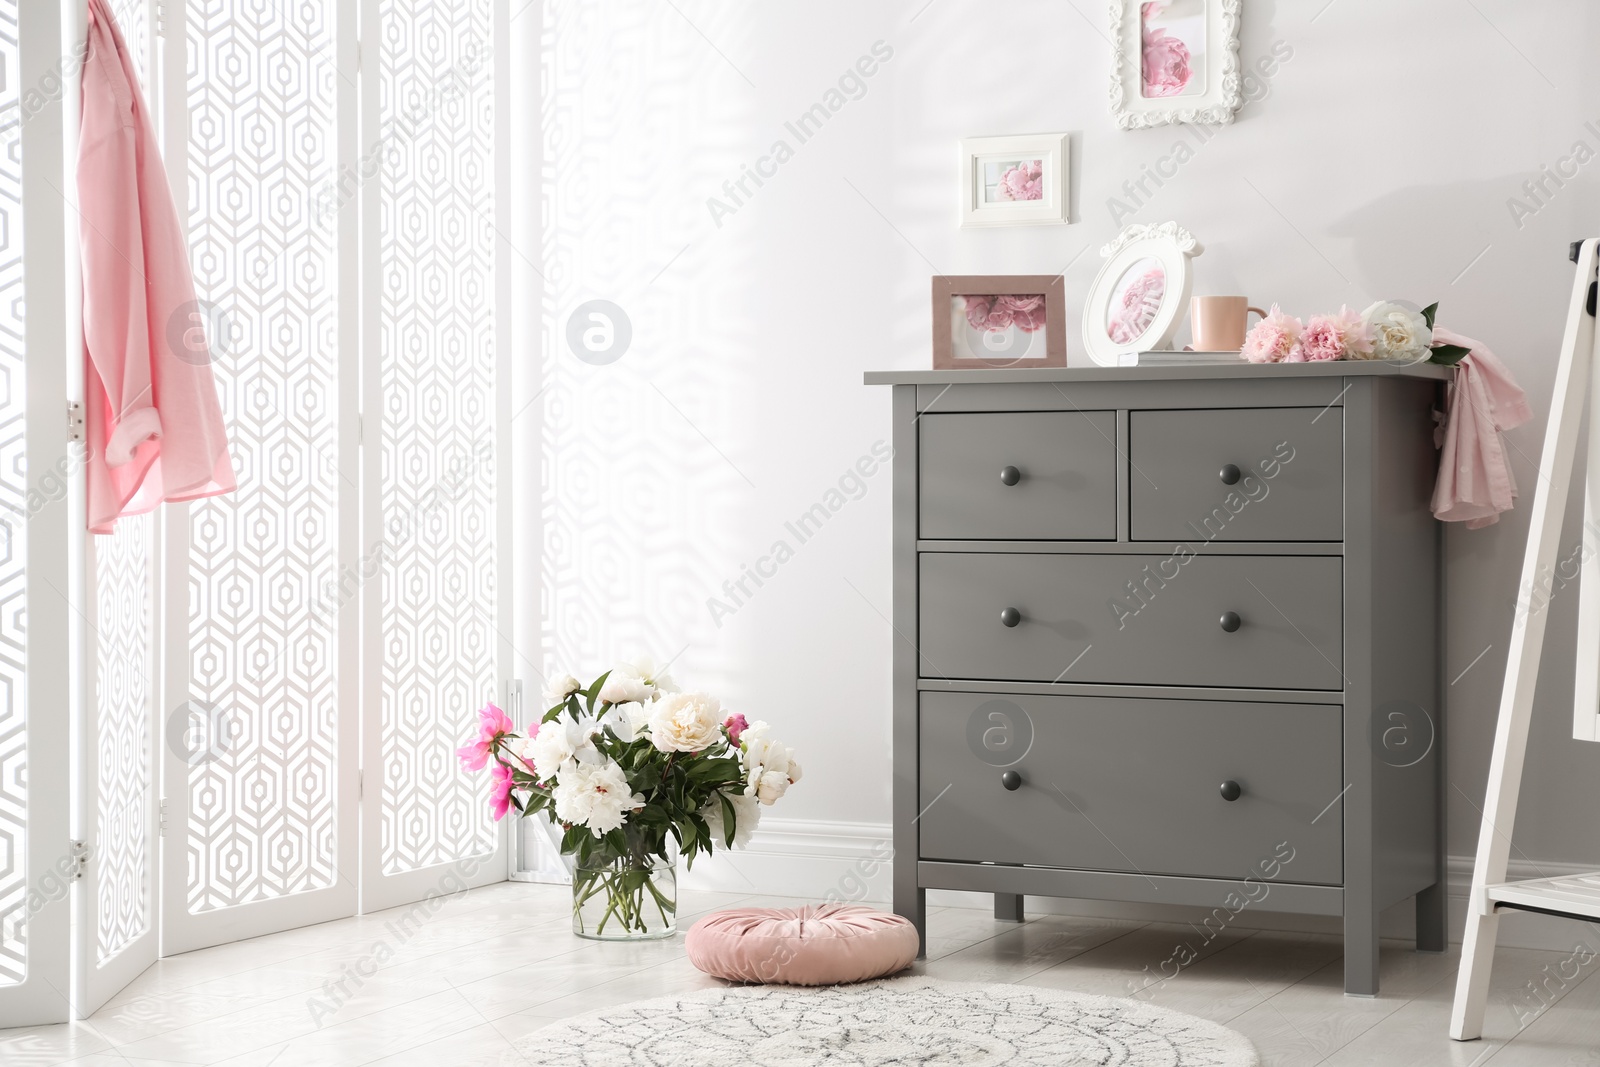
x,y
826,944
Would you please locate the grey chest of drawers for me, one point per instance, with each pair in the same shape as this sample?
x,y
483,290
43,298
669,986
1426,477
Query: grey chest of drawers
x,y
1170,635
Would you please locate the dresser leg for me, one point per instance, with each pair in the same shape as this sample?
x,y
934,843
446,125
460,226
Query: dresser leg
x,y
913,904
1431,918
1360,953
1008,907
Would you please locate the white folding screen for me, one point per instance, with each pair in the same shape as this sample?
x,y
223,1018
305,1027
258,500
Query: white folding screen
x,y
260,821
116,918
37,856
435,539
238,658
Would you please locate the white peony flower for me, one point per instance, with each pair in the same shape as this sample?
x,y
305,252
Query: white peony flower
x,y
622,686
746,817
770,766
562,741
595,795
629,721
560,689
771,786
1399,335
685,722
652,673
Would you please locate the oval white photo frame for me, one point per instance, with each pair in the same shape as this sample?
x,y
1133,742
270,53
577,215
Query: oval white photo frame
x,y
1172,247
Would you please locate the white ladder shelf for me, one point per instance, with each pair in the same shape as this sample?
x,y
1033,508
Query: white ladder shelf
x,y
1577,389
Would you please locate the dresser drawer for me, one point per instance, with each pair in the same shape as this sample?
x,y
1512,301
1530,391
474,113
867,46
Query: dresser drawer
x,y
1038,475
1132,785
1288,462
1152,620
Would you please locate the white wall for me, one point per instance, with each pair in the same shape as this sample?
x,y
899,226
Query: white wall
x,y
1378,161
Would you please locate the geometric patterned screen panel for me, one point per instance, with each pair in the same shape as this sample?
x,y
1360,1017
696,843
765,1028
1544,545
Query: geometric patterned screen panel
x,y
259,814
13,524
122,639
437,372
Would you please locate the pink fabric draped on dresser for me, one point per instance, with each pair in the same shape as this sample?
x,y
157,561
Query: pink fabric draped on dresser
x,y
1475,482
153,422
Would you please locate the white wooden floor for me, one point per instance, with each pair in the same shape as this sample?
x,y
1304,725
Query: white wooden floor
x,y
497,963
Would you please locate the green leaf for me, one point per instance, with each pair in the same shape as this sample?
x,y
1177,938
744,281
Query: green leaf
x,y
1429,312
729,818
594,690
1448,355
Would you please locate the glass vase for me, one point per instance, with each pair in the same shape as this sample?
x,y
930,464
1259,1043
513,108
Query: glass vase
x,y
629,897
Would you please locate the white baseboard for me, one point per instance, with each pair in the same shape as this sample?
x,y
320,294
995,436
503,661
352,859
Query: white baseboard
x,y
803,858
853,861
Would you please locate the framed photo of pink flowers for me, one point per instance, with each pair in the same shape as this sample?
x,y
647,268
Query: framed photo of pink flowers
x,y
999,320
1015,181
1175,61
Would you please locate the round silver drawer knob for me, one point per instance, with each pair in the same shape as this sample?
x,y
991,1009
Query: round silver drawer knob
x,y
1230,621
1229,474
1011,780
1231,790
1010,475
1010,617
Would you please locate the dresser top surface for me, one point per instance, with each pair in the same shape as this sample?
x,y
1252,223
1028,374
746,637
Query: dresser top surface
x,y
1203,371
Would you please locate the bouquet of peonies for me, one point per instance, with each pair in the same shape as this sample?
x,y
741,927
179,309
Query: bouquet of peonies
x,y
1387,330
631,769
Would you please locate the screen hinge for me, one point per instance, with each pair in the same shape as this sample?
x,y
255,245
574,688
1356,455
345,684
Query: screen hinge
x,y
80,859
75,421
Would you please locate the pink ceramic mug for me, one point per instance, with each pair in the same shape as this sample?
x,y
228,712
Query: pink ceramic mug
x,y
1218,322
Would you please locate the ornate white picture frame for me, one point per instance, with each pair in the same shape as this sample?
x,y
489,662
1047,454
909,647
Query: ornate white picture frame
x,y
1015,181
1175,61
1141,293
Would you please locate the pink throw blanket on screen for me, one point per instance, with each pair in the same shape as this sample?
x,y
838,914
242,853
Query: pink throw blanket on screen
x,y
153,423
1475,482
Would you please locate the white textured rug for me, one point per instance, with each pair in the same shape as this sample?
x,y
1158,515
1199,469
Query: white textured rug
x,y
904,1022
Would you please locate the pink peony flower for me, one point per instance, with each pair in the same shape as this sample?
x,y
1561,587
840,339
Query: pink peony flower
x,y
1273,338
1025,181
735,725
999,317
1141,301
1165,58
492,725
1027,312
500,790
1357,333
978,311
1329,337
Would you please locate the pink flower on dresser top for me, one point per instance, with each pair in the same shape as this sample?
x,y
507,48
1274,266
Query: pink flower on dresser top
x,y
1165,58
1141,301
736,725
1273,338
1025,181
1343,335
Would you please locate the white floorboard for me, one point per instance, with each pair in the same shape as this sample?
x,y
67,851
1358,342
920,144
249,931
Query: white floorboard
x,y
496,964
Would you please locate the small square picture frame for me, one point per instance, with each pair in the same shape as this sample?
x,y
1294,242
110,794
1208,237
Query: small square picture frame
x,y
958,345
999,186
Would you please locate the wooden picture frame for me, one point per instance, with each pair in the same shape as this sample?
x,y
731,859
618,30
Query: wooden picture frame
x,y
1008,342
